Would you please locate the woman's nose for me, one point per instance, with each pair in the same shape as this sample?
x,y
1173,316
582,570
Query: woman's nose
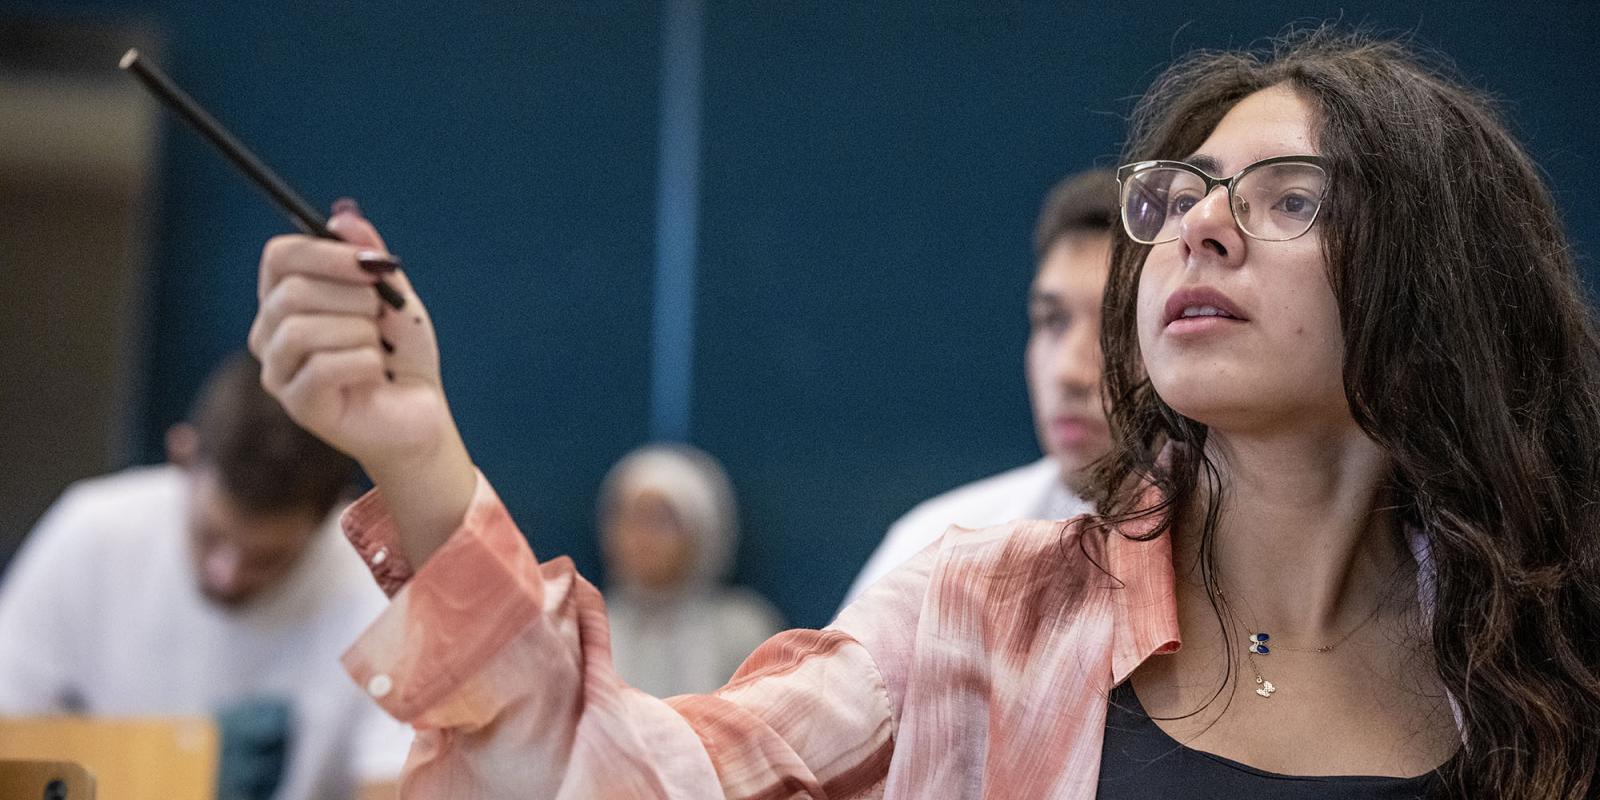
x,y
1210,227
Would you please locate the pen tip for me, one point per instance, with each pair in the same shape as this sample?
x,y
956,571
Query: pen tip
x,y
129,57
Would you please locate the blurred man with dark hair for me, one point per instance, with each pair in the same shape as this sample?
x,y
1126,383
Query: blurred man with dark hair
x,y
215,585
1072,251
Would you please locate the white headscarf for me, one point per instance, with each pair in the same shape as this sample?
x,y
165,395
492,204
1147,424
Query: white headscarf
x,y
690,637
697,490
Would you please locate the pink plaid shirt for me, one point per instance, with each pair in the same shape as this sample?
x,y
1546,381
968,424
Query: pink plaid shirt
x,y
979,669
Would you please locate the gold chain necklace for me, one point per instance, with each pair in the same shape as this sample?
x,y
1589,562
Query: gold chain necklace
x,y
1256,644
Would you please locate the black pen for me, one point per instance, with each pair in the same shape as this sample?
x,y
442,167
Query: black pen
x,y
299,211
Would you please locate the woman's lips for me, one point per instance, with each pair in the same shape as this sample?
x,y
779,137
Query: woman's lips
x,y
1199,303
1196,325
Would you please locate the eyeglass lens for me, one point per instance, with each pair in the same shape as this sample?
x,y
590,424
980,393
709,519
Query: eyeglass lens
x,y
1273,202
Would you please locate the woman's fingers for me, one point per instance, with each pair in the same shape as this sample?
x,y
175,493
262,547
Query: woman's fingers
x,y
349,225
318,394
317,258
296,341
302,294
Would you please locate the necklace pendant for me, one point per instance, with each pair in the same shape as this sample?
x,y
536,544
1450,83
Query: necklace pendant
x,y
1266,688
1257,643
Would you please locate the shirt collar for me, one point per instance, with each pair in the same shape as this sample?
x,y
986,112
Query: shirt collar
x,y
1144,603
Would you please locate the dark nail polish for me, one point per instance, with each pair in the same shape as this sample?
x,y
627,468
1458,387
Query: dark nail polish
x,y
377,263
395,300
388,347
346,204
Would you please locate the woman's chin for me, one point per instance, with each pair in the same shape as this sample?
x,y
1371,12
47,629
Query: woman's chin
x,y
1213,403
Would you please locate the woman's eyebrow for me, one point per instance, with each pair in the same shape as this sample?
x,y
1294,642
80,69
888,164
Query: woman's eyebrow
x,y
1205,163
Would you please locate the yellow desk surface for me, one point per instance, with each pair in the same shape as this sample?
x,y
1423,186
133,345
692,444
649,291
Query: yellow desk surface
x,y
130,759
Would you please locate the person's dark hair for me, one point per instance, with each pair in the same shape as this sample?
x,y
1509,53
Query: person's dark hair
x,y
1470,357
266,462
1083,203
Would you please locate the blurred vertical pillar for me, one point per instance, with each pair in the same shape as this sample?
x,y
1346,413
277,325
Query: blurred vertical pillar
x,y
677,213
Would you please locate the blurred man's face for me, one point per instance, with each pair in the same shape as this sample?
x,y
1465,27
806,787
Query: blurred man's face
x,y
1063,359
238,555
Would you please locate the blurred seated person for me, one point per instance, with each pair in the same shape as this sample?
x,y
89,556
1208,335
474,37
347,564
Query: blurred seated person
x,y
217,585
668,528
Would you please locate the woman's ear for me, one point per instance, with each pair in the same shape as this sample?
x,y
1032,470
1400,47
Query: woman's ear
x,y
183,445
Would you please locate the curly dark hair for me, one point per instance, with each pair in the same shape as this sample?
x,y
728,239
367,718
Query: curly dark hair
x,y
1470,358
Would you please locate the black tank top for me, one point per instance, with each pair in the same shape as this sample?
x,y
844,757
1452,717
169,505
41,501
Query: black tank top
x,y
1141,761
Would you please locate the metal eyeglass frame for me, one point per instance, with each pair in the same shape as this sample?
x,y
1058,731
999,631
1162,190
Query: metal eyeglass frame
x,y
1129,170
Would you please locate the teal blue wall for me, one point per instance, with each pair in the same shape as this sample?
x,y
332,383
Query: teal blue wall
x,y
867,181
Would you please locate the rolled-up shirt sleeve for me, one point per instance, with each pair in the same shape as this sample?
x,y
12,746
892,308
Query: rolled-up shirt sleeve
x,y
503,666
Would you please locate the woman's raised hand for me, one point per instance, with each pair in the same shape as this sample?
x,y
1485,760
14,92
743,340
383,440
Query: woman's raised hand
x,y
361,375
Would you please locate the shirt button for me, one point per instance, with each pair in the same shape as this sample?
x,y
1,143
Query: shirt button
x,y
380,685
381,556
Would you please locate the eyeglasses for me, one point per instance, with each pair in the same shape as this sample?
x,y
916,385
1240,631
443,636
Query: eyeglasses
x,y
1273,200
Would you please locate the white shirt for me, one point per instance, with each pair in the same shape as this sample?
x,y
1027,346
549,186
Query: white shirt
x,y
101,605
688,644
1031,492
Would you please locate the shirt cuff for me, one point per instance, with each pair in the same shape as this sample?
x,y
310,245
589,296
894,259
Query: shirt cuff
x,y
370,528
448,620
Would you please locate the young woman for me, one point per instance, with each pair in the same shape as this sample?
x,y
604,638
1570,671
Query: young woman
x,y
1348,539
668,526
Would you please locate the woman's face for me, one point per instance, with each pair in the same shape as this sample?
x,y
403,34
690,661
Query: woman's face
x,y
645,544
1276,364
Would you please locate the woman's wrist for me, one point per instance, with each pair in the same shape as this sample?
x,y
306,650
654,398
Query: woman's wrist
x,y
428,496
